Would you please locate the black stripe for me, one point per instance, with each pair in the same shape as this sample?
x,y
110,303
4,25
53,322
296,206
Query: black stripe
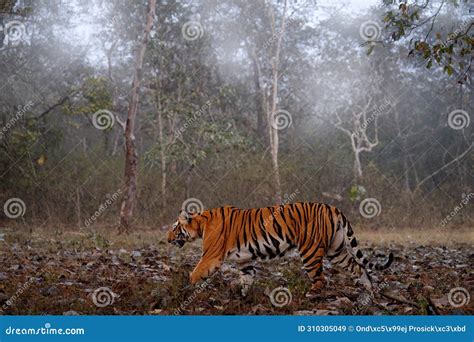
x,y
307,258
248,270
314,263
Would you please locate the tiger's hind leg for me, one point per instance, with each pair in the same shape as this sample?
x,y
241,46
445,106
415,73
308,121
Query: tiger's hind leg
x,y
346,261
313,265
342,255
246,276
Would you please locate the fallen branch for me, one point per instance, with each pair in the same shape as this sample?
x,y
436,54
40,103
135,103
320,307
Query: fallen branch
x,y
432,305
399,299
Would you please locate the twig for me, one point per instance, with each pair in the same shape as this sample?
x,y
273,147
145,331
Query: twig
x,y
399,299
459,157
432,305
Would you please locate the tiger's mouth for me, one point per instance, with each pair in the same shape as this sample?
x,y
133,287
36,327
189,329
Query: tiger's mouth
x,y
179,243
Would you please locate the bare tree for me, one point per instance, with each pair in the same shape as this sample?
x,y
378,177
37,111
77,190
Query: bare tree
x,y
357,131
457,159
131,157
272,107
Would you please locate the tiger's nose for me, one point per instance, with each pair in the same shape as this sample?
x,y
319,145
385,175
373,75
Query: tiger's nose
x,y
170,237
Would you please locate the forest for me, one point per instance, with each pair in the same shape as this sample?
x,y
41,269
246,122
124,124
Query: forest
x,y
115,115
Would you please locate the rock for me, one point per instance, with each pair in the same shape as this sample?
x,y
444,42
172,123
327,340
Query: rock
x,y
159,279
71,313
341,301
50,291
136,254
258,309
303,313
326,312
3,276
155,312
115,260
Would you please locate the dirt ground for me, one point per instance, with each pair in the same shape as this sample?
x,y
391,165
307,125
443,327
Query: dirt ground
x,y
65,272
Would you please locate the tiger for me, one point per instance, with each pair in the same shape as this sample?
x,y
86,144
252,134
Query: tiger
x,y
316,230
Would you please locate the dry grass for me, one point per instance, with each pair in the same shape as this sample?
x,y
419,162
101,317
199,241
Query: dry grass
x,y
422,236
146,236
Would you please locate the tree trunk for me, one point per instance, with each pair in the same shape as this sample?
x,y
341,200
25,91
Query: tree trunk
x,y
403,143
131,157
357,167
162,156
406,169
274,141
259,107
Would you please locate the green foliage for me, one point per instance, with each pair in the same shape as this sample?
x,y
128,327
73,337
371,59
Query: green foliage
x,y
95,95
429,39
356,192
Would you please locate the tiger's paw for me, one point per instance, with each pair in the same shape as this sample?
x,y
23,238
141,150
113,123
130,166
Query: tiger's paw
x,y
194,278
315,290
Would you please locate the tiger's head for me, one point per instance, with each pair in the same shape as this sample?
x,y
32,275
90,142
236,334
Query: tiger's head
x,y
186,228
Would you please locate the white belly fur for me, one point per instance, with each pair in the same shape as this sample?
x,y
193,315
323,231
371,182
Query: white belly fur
x,y
244,253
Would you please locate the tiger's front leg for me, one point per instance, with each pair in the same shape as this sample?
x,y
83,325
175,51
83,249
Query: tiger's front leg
x,y
204,269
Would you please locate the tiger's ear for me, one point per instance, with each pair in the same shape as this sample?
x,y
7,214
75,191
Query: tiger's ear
x,y
184,216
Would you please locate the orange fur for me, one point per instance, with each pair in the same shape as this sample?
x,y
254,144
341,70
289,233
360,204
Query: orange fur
x,y
316,230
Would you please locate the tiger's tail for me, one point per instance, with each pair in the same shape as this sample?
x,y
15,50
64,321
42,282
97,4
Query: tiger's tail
x,y
354,250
